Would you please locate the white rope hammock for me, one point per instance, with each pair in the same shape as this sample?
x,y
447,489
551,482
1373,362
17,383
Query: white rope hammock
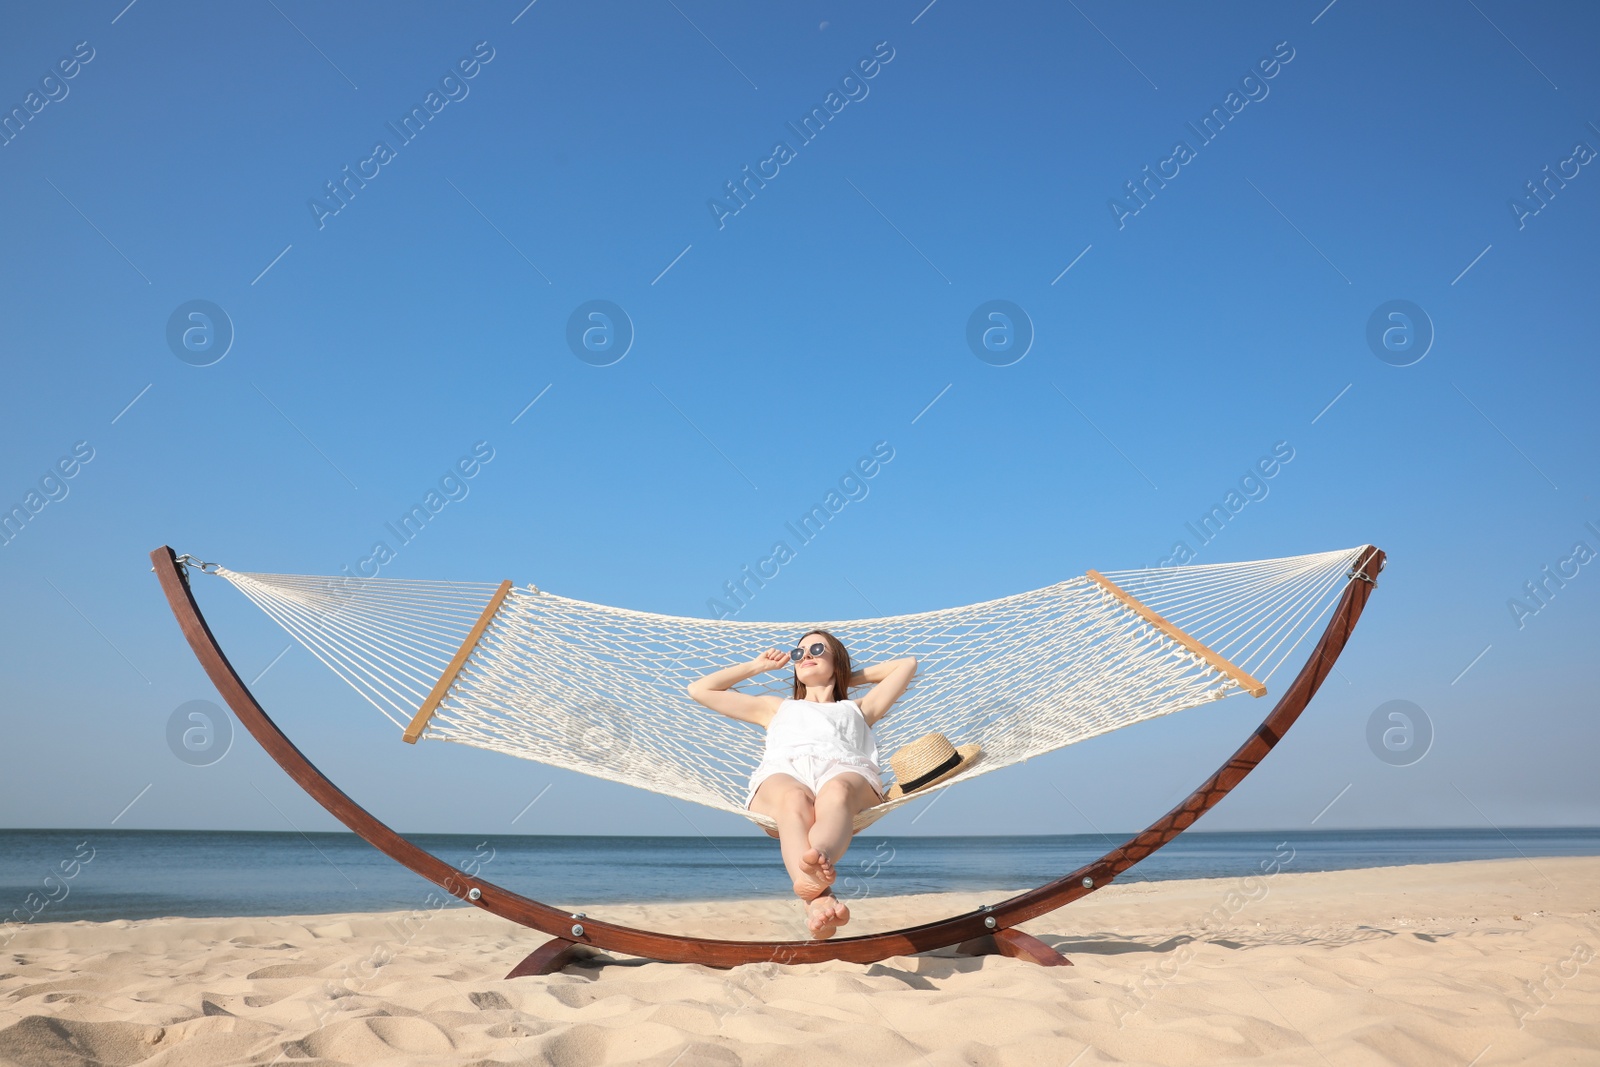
x,y
601,690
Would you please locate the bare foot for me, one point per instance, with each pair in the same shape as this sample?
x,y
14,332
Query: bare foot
x,y
817,874
825,914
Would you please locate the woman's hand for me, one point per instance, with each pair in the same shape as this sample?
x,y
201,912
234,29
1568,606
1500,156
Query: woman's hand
x,y
770,660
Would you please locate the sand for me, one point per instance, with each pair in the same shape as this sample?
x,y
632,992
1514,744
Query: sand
x,y
1478,963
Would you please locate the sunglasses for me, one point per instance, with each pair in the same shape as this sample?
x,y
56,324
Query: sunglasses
x,y
815,651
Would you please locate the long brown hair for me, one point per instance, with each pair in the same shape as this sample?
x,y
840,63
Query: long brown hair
x,y
841,667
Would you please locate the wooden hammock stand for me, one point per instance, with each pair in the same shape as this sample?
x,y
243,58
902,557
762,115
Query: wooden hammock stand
x,y
987,930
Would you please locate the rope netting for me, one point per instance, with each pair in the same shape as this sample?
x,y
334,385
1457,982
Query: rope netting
x,y
601,690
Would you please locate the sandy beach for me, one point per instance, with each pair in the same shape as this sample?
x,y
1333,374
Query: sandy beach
x,y
1482,963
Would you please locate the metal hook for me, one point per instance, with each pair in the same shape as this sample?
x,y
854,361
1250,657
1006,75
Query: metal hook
x,y
1362,575
187,561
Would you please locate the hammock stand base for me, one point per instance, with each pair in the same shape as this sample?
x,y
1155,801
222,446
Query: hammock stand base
x,y
558,952
974,931
552,956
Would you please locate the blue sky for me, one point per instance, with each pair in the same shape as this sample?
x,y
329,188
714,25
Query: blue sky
x,y
982,160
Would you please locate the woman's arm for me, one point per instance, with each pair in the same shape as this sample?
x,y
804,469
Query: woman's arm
x,y
715,692
890,678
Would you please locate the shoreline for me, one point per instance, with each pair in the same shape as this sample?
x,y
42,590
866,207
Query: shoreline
x,y
755,834
59,876
980,896
951,899
1419,964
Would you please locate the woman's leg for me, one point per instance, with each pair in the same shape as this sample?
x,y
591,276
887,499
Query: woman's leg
x,y
790,804
838,801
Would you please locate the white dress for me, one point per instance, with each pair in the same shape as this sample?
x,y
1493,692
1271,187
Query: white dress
x,y
814,742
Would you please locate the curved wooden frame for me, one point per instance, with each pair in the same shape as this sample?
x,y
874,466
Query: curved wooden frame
x,y
993,923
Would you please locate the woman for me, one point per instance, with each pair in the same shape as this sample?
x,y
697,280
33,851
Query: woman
x,y
820,767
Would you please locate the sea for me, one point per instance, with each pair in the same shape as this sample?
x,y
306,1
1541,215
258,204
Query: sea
x,y
98,875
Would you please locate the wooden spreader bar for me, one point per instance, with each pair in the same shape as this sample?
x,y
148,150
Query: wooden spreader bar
x,y
441,688
988,929
1245,680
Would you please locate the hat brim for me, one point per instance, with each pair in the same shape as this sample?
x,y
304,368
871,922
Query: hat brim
x,y
970,755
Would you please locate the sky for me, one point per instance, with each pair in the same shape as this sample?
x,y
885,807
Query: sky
x,y
249,311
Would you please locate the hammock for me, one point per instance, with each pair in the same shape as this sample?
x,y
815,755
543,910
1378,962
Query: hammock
x,y
601,690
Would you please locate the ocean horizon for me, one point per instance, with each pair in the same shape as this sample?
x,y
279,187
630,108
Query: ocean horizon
x,y
65,875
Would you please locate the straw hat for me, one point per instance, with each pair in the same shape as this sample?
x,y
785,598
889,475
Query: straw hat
x,y
927,760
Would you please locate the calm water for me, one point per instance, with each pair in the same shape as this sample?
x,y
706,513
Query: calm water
x,y
138,874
